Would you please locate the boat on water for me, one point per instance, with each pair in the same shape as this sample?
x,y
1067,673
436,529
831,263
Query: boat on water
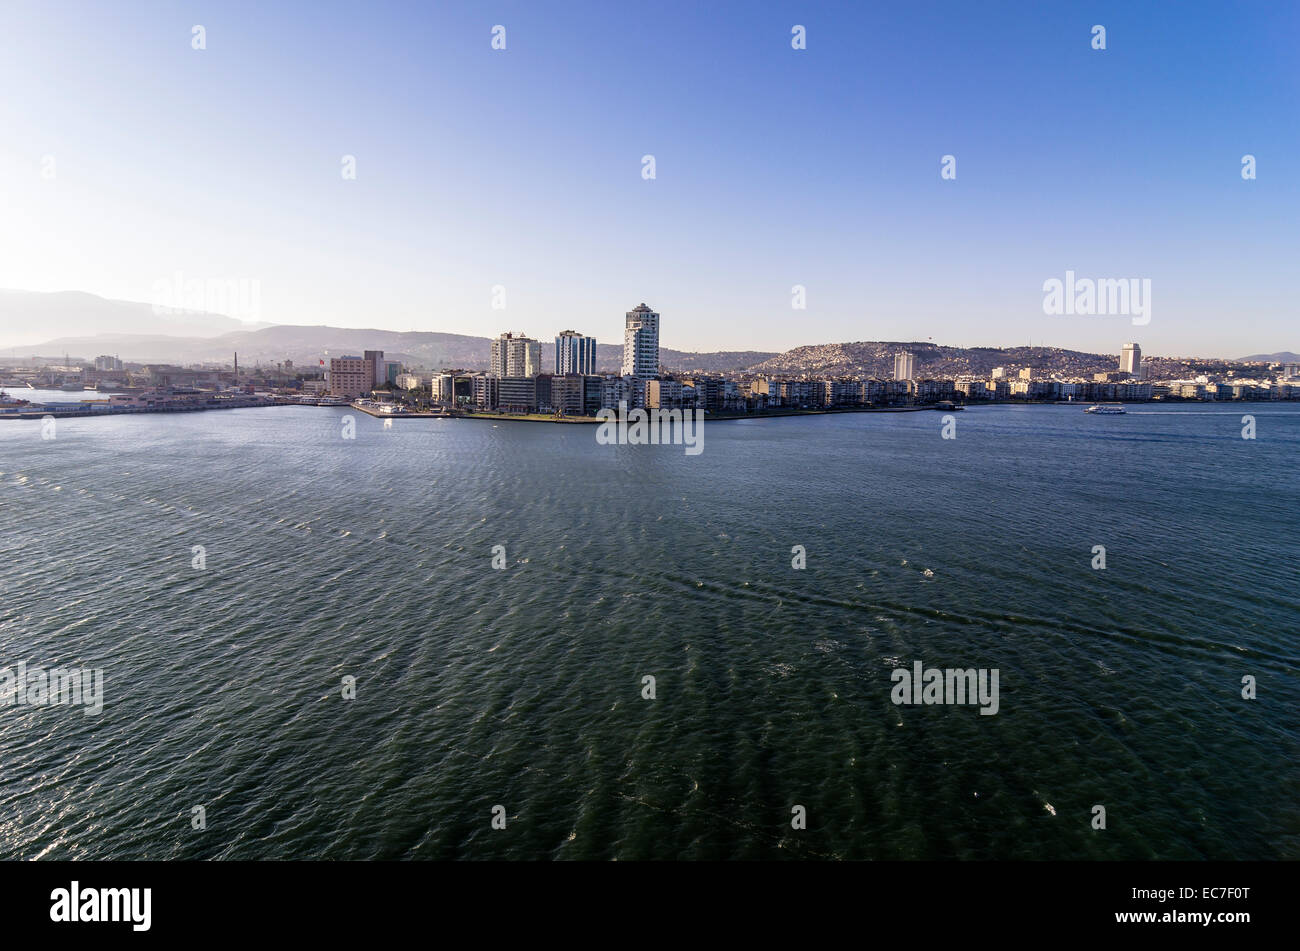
x,y
71,387
1105,409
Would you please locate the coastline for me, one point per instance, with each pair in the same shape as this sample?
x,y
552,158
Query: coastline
x,y
710,417
37,412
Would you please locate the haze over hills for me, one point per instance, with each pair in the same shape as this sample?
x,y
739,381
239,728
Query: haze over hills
x,y
307,346
1282,356
28,317
84,325
876,358
138,334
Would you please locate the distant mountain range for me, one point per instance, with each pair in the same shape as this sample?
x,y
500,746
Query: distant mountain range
x,y
92,326
1282,356
139,335
27,317
307,346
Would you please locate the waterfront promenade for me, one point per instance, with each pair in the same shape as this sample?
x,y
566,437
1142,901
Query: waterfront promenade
x,y
379,413
72,410
193,404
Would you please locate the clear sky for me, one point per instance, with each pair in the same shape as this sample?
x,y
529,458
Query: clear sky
x,y
774,166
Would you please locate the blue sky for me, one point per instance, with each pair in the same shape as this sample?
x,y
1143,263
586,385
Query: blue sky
x,y
774,167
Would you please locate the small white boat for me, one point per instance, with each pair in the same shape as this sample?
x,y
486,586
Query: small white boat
x,y
1105,409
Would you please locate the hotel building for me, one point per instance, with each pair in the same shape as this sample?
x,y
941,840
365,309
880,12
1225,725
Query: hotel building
x,y
351,376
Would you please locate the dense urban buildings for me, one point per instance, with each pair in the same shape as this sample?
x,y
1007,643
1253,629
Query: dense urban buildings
x,y
641,343
574,353
514,383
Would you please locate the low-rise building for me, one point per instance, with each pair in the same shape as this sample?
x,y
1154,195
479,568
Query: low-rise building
x,y
517,394
486,391
568,395
663,394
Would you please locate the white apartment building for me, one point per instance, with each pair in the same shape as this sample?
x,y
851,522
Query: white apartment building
x,y
641,343
516,356
904,365
1130,360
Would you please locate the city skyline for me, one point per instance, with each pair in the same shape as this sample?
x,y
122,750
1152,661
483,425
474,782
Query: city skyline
x,y
88,344
779,173
516,381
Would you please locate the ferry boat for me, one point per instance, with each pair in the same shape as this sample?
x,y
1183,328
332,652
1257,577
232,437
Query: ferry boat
x,y
1105,410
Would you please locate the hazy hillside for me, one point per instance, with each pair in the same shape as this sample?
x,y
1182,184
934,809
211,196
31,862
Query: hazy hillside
x,y
1282,356
306,346
27,317
84,326
876,358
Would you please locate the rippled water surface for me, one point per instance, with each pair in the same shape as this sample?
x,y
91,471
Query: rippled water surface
x,y
372,558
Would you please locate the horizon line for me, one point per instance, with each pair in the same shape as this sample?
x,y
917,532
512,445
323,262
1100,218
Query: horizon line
x,y
257,326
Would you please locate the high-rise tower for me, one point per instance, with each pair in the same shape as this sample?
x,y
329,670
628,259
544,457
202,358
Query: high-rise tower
x,y
575,353
515,356
904,365
1130,360
641,343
